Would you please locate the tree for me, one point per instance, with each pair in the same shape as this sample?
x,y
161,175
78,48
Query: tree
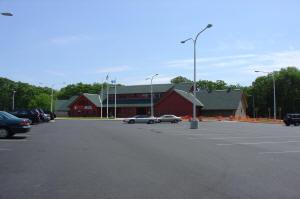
x,y
287,92
40,101
180,79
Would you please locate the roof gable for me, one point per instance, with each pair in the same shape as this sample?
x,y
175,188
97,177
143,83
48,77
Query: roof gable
x,y
189,96
220,99
94,98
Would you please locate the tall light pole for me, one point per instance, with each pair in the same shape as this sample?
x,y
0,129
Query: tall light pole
x,y
52,94
194,122
13,100
274,89
151,91
115,84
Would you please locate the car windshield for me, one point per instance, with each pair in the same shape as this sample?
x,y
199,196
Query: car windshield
x,y
8,115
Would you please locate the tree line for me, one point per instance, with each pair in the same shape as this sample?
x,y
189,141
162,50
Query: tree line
x,y
259,94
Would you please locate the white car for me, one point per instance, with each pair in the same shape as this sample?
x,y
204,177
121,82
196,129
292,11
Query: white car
x,y
169,118
141,119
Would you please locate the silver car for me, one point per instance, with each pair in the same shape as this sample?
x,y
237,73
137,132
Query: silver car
x,y
141,119
169,118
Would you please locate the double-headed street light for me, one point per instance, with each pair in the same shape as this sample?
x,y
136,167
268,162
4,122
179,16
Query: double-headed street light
x,y
194,122
274,89
151,90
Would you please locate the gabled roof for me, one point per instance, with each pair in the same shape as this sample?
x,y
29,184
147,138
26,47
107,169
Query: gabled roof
x,y
157,88
63,105
184,86
189,96
220,99
94,98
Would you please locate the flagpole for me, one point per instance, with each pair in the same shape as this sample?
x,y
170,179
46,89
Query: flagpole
x,y
101,100
107,97
115,99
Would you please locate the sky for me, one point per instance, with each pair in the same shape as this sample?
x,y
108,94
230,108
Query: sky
x,y
57,42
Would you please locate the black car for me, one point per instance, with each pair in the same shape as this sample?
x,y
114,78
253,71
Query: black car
x,y
10,125
29,114
292,119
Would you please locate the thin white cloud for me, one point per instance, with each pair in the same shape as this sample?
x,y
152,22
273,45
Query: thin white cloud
x,y
113,69
69,39
238,68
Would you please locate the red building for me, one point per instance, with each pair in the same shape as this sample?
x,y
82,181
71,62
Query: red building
x,y
85,105
136,100
174,99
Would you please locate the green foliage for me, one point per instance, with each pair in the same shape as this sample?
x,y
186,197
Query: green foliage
x,y
287,93
41,101
23,96
180,79
77,89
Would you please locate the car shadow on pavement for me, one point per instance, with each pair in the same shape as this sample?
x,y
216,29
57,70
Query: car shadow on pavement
x,y
15,138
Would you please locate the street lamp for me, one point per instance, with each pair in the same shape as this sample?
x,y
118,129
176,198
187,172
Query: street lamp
x,y
274,89
151,90
114,82
194,122
52,93
7,14
13,100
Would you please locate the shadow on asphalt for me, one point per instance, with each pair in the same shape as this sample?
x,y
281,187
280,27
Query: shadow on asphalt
x,y
15,138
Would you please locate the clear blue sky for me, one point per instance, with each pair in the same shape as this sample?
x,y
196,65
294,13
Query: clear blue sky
x,y
55,41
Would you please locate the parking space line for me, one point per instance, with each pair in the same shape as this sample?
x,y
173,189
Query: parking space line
x,y
263,137
256,143
278,152
5,149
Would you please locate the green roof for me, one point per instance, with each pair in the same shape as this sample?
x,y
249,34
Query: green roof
x,y
157,88
63,105
189,96
94,98
220,99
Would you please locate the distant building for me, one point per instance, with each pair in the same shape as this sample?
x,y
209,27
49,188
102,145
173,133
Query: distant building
x,y
174,99
61,107
230,102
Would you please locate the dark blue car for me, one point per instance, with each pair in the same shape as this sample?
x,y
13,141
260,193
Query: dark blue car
x,y
11,125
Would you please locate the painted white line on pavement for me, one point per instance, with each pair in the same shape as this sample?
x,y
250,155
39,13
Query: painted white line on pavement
x,y
225,138
4,149
254,143
279,152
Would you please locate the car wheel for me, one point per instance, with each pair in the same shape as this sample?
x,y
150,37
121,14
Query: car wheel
x,y
131,122
159,121
296,124
151,122
4,133
287,124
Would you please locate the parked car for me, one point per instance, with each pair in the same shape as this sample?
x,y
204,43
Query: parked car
x,y
169,118
42,115
10,125
141,119
29,114
292,119
51,114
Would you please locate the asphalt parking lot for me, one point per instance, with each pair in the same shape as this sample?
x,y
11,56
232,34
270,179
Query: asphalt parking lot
x,y
109,159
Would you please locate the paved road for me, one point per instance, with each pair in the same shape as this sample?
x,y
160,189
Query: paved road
x,y
110,160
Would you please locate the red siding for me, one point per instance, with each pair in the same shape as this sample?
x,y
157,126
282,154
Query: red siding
x,y
174,104
83,107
